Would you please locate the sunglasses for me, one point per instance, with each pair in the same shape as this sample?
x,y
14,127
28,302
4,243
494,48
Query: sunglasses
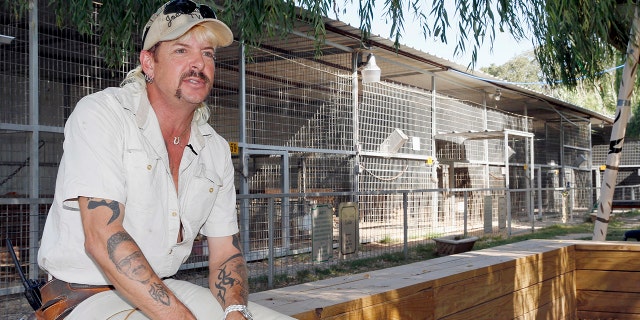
x,y
187,7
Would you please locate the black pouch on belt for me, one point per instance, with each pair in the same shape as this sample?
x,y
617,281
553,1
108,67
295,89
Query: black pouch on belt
x,y
59,298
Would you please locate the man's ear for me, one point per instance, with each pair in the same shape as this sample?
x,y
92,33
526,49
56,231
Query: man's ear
x,y
147,62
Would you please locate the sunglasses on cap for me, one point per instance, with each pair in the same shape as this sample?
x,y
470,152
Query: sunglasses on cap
x,y
187,7
184,7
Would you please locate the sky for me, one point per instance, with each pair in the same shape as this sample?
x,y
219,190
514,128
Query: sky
x,y
504,46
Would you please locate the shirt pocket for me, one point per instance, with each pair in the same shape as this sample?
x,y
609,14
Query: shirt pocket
x,y
201,196
143,174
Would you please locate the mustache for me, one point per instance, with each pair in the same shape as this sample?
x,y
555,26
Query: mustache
x,y
193,73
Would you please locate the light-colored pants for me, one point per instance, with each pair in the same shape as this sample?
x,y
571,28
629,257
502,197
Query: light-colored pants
x,y
109,305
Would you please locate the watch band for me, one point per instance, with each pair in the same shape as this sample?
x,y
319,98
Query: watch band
x,y
238,307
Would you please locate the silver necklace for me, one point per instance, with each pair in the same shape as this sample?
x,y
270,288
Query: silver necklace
x,y
176,139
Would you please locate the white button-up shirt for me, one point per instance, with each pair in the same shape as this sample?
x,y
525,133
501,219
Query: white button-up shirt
x,y
114,149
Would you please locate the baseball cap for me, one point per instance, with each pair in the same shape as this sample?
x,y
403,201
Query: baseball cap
x,y
176,17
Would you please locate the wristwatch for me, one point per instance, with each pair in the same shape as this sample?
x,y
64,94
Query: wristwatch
x,y
238,307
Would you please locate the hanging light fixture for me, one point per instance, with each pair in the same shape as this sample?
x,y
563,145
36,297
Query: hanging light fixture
x,y
370,72
498,94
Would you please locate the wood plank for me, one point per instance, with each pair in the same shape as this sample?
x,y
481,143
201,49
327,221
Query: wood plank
x,y
607,246
608,260
415,306
608,302
348,297
516,303
561,308
599,280
532,252
607,315
528,271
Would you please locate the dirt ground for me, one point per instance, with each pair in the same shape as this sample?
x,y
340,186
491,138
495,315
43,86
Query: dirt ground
x,y
15,307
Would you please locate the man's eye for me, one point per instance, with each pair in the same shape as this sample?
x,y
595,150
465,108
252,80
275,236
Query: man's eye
x,y
210,54
181,50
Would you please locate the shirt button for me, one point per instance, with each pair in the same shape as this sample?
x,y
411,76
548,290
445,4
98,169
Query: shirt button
x,y
173,214
149,167
210,190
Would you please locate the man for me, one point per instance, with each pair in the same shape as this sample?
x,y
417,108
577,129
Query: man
x,y
142,174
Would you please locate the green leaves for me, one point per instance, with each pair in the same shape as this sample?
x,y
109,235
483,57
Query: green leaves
x,y
573,38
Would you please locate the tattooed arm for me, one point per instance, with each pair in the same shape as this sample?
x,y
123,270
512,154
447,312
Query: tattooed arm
x,y
122,261
228,279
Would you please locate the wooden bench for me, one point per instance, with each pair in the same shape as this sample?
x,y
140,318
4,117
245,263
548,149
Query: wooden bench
x,y
542,279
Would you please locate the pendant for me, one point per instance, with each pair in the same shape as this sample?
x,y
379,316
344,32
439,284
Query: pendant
x,y
176,140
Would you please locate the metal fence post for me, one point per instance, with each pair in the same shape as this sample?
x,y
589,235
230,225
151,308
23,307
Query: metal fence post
x,y
405,211
466,213
270,242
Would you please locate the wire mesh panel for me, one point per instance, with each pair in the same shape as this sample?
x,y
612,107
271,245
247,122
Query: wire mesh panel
x,y
297,99
386,107
14,70
629,157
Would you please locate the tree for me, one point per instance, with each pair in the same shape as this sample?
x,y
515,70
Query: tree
x,y
523,69
573,39
598,95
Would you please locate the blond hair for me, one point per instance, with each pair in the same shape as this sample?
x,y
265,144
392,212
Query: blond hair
x,y
137,76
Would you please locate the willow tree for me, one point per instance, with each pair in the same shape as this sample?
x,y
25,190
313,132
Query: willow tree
x,y
574,39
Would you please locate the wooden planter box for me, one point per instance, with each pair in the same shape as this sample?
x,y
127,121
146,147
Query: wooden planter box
x,y
533,279
453,244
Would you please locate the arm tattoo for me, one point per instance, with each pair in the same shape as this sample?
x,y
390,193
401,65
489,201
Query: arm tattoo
x,y
159,293
115,240
236,276
225,280
131,264
134,265
113,205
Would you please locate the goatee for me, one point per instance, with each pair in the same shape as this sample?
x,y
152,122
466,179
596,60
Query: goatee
x,y
191,73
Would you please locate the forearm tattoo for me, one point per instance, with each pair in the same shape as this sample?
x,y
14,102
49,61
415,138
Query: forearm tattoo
x,y
133,264
159,293
236,275
113,205
224,280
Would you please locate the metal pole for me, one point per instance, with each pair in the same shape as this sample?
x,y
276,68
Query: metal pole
x,y
354,118
244,158
539,193
434,169
405,211
466,213
530,187
270,233
623,110
506,182
34,118
285,214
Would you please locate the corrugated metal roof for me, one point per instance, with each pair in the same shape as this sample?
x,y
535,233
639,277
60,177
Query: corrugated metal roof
x,y
413,67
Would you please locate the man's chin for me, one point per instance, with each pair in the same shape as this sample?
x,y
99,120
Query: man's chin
x,y
193,98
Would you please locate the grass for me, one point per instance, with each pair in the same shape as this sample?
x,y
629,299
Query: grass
x,y
615,231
